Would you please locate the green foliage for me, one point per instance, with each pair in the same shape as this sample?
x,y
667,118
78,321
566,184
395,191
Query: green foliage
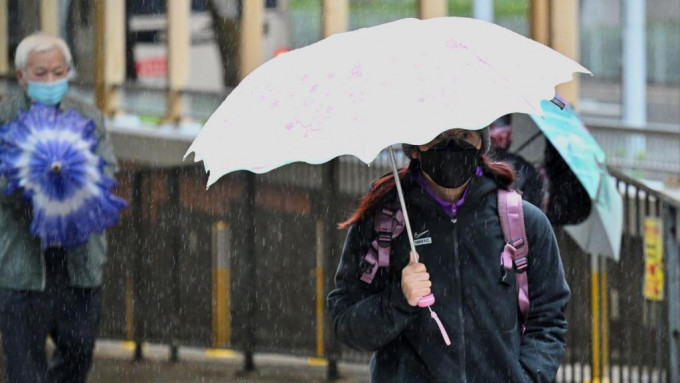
x,y
149,119
306,15
460,7
506,8
503,8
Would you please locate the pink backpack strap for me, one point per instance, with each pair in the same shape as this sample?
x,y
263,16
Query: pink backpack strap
x,y
516,251
389,223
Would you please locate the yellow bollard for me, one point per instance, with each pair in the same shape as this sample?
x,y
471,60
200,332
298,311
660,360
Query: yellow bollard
x,y
221,285
599,322
605,322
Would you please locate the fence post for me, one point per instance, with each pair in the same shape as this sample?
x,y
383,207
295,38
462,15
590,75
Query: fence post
x,y
249,271
173,185
595,317
331,257
250,57
335,19
672,264
136,206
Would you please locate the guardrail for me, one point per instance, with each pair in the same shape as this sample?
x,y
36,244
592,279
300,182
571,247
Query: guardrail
x,y
652,152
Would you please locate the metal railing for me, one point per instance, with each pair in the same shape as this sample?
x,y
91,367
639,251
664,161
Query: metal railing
x,y
636,340
652,152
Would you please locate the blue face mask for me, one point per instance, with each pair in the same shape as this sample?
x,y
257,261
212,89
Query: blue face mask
x,y
48,93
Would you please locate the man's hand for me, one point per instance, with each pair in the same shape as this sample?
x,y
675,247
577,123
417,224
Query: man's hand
x,y
415,281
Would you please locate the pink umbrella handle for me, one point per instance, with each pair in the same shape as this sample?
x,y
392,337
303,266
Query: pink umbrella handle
x,y
426,301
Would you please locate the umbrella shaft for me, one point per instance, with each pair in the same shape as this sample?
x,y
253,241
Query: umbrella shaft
x,y
403,203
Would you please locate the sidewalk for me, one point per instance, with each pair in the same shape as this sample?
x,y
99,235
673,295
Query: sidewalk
x,y
114,363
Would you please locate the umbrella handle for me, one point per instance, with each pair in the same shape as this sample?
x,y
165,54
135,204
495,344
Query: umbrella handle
x,y
55,167
427,300
403,205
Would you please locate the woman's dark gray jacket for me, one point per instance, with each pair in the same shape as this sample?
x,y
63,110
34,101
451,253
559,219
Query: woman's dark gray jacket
x,y
479,312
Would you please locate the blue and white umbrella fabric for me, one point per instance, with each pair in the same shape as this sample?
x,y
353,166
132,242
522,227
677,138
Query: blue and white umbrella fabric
x,y
50,155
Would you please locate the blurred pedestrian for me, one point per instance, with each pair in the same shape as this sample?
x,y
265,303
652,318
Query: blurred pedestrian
x,y
568,202
451,189
529,181
45,289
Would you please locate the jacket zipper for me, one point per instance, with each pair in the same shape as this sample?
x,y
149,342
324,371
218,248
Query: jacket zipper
x,y
460,299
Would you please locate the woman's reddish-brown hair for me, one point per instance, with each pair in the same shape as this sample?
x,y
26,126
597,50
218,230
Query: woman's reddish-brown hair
x,y
501,172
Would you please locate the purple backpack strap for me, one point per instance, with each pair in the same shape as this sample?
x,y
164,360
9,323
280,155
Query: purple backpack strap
x,y
389,223
516,251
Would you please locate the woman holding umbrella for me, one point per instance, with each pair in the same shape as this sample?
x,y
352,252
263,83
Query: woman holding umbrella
x,y
450,190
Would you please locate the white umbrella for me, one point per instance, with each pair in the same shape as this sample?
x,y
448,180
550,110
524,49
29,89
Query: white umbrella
x,y
361,91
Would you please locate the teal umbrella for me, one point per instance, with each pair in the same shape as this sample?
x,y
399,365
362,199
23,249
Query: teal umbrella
x,y
600,231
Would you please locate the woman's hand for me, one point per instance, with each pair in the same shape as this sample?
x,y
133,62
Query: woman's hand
x,y
415,281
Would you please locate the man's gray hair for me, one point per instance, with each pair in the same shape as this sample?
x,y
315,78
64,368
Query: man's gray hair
x,y
39,42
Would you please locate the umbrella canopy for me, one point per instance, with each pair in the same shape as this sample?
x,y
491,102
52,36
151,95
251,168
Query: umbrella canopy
x,y
50,155
358,92
600,231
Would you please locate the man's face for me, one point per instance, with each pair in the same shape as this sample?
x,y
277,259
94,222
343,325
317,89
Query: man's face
x,y
45,66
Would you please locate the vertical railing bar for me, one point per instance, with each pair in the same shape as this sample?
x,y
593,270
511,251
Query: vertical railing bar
x,y
136,207
615,277
659,339
638,222
570,345
636,259
607,295
649,306
587,355
627,238
672,288
657,204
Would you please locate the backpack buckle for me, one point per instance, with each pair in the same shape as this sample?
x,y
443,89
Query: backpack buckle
x,y
366,267
384,238
521,264
517,243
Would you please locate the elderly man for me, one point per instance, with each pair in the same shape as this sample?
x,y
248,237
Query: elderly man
x,y
51,292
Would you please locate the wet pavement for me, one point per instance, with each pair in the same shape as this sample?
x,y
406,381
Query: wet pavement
x,y
114,364
110,370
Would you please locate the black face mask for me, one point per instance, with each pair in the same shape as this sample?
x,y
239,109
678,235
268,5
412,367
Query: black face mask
x,y
452,165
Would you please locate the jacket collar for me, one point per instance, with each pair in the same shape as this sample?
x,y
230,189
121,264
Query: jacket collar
x,y
479,187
